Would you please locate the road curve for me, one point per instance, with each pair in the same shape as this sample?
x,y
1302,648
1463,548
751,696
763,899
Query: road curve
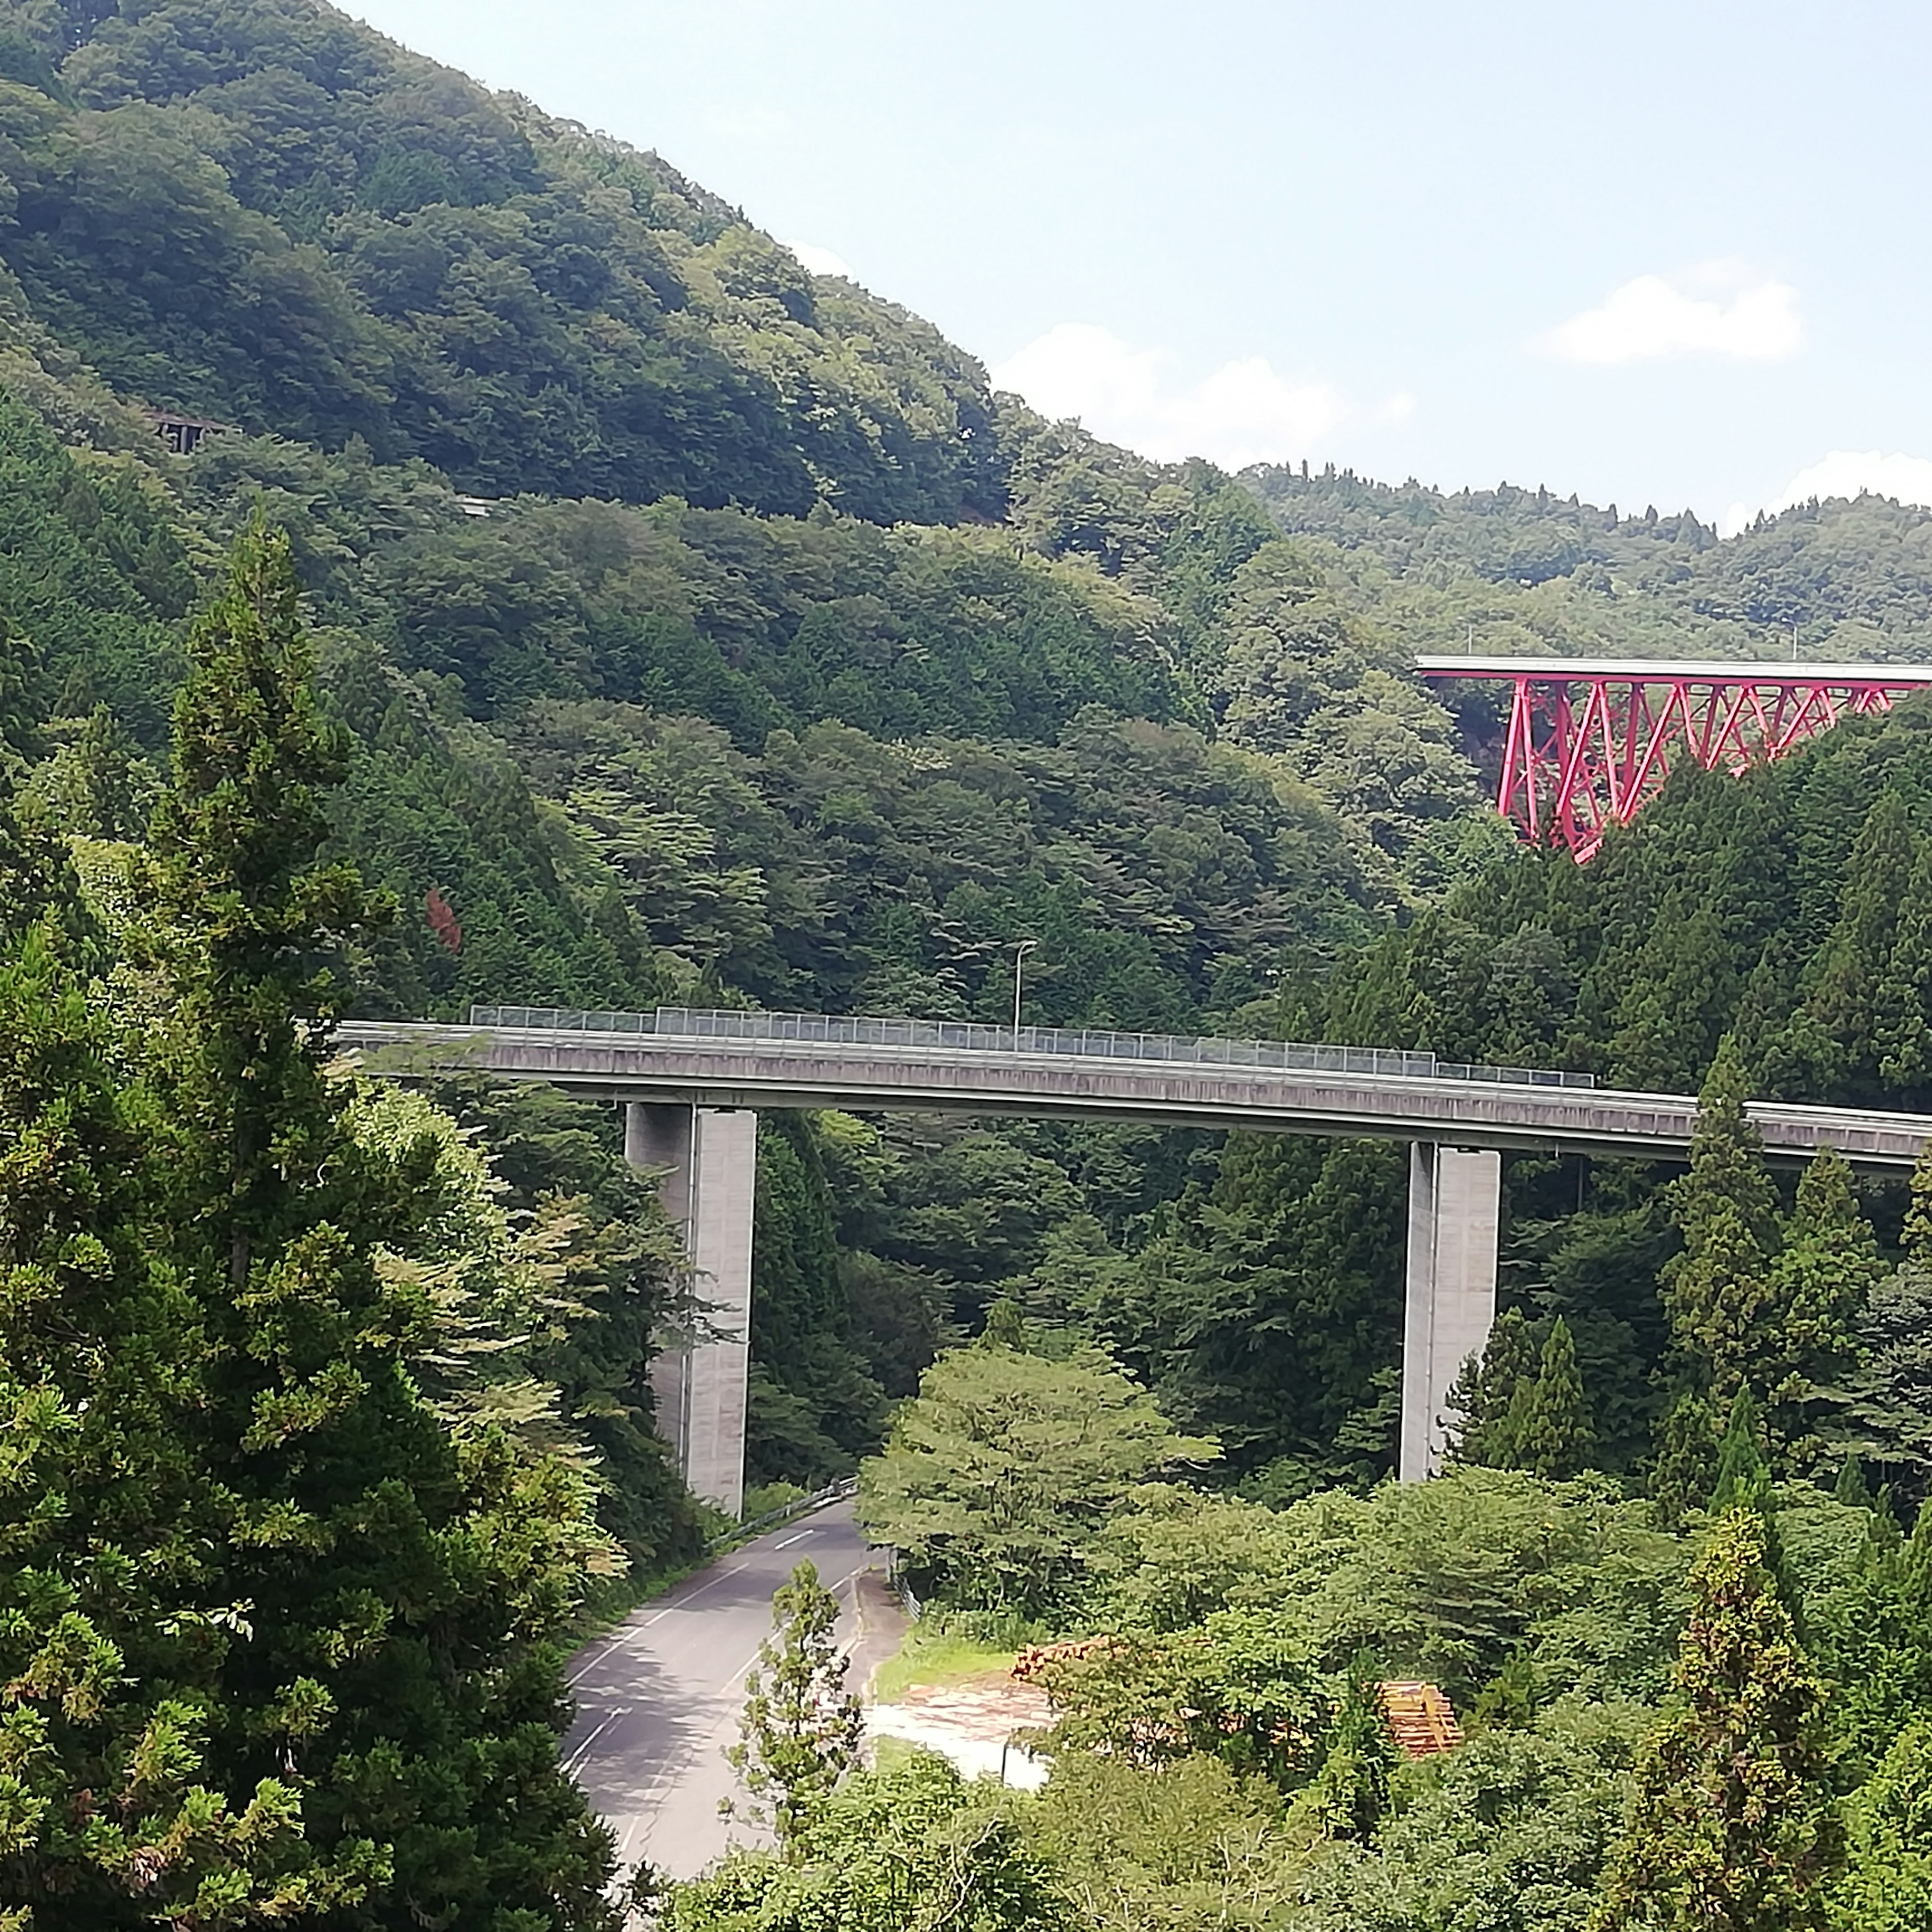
x,y
657,1698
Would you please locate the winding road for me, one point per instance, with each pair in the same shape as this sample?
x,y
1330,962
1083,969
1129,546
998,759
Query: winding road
x,y
658,1697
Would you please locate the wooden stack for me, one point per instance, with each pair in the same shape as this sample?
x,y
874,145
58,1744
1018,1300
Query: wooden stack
x,y
1420,1719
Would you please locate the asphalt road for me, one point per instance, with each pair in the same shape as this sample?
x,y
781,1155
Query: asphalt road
x,y
658,1698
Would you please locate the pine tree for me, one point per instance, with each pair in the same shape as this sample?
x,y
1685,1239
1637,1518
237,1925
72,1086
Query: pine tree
x,y
1733,1827
1549,1427
800,1732
1716,1290
402,1588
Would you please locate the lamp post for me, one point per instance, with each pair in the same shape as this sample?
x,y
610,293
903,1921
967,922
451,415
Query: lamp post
x,y
1020,952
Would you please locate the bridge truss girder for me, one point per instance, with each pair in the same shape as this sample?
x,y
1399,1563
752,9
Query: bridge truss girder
x,y
1587,747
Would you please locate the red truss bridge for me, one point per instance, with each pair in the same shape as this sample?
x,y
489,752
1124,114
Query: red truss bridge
x,y
1591,738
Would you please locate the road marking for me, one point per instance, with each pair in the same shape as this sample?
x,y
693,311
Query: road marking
x,y
578,1757
790,1540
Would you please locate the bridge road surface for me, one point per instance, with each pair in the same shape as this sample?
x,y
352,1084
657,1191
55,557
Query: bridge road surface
x,y
658,1697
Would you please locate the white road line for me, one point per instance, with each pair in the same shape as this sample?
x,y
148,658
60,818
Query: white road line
x,y
578,1757
790,1540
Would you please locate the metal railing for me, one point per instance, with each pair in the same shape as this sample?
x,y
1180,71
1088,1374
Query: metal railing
x,y
685,1023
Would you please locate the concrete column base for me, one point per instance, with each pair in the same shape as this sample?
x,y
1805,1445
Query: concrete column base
x,y
708,1160
1455,1203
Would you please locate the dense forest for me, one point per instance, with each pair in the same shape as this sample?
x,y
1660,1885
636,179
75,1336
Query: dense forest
x,y
633,616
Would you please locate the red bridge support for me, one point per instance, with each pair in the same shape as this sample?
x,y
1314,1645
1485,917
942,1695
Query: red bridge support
x,y
1590,740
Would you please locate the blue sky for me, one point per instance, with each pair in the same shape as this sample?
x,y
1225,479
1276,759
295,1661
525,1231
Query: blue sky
x,y
1678,254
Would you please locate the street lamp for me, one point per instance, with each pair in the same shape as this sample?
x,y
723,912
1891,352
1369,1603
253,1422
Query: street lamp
x,y
1020,952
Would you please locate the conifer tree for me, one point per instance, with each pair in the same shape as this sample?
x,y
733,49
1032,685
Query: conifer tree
x,y
1733,1827
1887,1886
799,1732
1877,1636
114,1813
1819,1284
1842,1012
1902,1022
1716,1290
1485,1391
402,1587
1549,1427
1685,1464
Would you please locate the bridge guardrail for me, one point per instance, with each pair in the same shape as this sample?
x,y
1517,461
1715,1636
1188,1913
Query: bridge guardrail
x,y
729,1023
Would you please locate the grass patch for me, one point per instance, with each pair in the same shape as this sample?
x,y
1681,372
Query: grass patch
x,y
933,1655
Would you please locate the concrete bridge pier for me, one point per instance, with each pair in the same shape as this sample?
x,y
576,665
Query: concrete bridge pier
x,y
1455,1199
708,1159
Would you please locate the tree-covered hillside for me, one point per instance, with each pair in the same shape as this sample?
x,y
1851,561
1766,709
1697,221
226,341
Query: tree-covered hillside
x,y
1513,569
261,212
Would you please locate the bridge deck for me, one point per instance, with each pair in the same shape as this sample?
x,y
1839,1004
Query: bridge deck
x,y
1662,670
713,1073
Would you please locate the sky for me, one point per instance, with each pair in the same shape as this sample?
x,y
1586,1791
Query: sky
x,y
1670,254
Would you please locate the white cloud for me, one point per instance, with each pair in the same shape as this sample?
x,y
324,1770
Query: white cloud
x,y
1717,310
1397,408
817,261
1244,413
1845,472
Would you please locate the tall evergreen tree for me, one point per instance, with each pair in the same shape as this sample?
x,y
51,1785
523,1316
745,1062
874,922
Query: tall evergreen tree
x,y
800,1731
1685,1464
1549,1426
1819,1285
1833,1034
1902,1020
1733,1827
1715,1291
401,1588
1485,1394
114,1811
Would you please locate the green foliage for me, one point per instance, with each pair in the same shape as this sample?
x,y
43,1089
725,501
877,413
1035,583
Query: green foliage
x,y
455,275
1887,1882
1239,1687
1549,1420
997,1474
1733,1823
882,1855
1350,1794
1185,1843
586,1234
1518,570
1524,1408
799,1732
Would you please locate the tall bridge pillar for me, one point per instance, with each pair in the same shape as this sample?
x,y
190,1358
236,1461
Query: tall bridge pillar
x,y
1455,1197
709,1159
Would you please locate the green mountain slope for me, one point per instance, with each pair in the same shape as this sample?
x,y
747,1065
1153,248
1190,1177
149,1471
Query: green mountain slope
x,y
1511,569
260,211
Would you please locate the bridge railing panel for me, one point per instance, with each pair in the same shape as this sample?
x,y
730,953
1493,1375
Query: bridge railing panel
x,y
973,1036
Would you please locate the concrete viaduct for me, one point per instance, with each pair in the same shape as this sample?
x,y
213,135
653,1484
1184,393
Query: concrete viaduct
x,y
692,1082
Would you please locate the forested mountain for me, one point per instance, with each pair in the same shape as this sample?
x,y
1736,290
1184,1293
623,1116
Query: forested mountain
x,y
688,628
1520,570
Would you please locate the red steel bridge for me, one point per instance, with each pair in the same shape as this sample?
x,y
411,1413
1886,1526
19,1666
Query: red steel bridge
x,y
1591,738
